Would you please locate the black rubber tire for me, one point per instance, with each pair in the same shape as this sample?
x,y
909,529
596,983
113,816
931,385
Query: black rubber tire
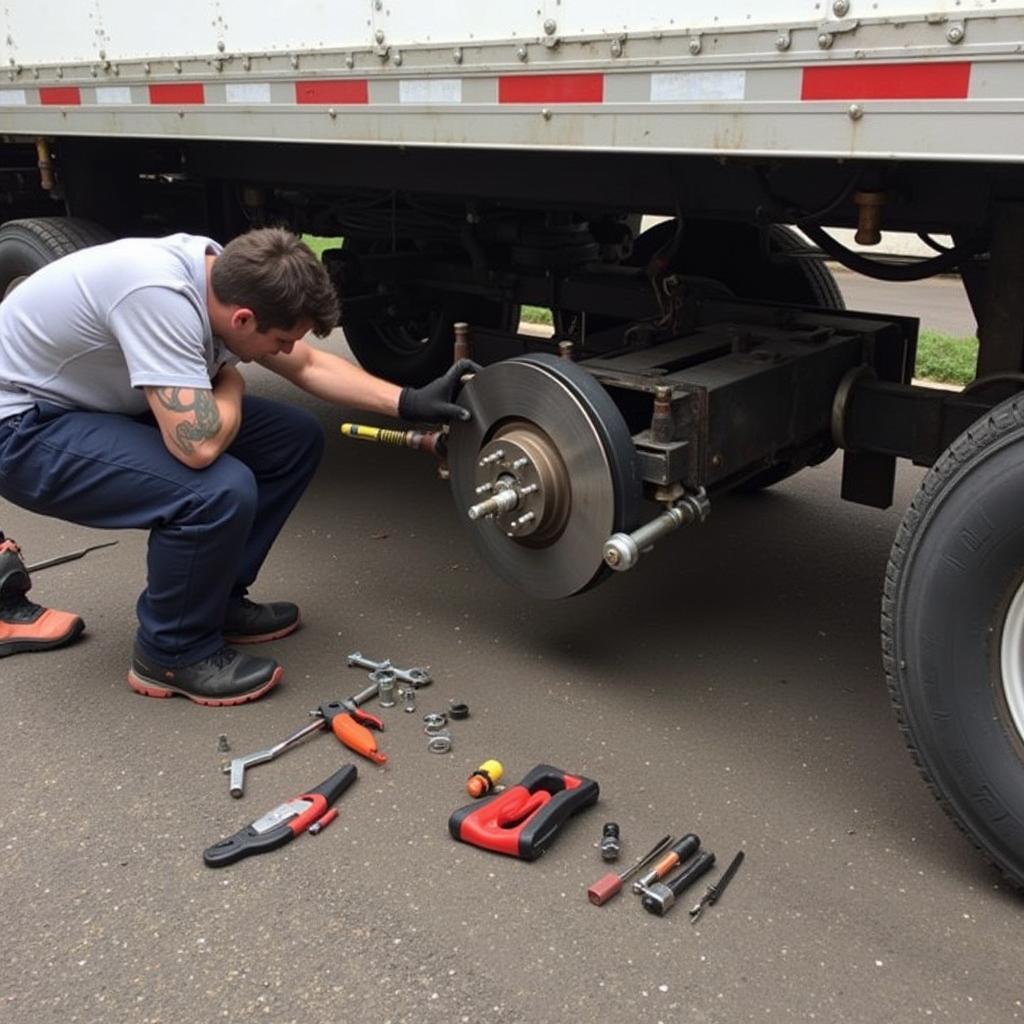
x,y
418,349
32,242
955,565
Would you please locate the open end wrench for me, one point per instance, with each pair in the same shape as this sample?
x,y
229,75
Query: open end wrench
x,y
236,769
415,677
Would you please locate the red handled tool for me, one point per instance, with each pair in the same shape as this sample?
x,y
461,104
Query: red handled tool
x,y
283,823
524,820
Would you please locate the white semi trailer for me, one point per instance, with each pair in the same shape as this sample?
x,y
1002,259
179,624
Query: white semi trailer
x,y
476,157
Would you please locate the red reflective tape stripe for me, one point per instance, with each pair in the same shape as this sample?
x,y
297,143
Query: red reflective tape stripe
x,y
177,92
947,81
60,96
551,89
346,90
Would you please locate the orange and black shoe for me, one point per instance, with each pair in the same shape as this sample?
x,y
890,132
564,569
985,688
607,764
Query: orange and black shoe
x,y
223,679
25,626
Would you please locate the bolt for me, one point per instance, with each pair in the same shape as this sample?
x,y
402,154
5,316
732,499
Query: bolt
x,y
220,45
457,55
782,41
521,53
855,111
825,40
294,60
397,59
524,519
520,462
955,34
350,61
409,696
550,26
525,492
484,489
495,456
616,48
695,46
247,63
546,114
379,36
222,743
841,8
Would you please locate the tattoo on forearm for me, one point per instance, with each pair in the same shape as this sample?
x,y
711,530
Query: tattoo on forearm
x,y
205,422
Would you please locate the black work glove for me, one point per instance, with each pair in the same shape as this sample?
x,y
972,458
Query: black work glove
x,y
433,403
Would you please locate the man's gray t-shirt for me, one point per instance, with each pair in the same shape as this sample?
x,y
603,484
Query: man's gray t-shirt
x,y
90,330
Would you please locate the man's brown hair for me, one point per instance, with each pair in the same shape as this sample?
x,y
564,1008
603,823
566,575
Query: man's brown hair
x,y
276,275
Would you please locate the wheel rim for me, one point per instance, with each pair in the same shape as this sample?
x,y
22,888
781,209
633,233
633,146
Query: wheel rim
x,y
1012,660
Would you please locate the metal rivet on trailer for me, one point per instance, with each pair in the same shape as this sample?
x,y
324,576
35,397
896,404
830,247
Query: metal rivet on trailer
x,y
457,55
294,60
220,45
855,111
397,59
35,72
177,66
955,34
783,41
147,68
616,47
841,8
350,61
825,40
695,45
103,54
546,114
379,35
331,112
550,26
521,53
60,72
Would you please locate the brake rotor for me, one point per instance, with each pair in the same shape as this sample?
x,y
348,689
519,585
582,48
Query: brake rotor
x,y
543,473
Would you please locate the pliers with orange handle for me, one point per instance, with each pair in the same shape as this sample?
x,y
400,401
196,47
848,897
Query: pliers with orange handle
x,y
352,727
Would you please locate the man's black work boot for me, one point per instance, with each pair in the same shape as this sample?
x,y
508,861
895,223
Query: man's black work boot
x,y
25,626
224,678
249,623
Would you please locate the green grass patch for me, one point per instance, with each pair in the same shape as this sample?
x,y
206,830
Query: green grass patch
x,y
318,244
943,358
535,315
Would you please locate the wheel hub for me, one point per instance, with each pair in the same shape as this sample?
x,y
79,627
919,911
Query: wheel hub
x,y
1012,660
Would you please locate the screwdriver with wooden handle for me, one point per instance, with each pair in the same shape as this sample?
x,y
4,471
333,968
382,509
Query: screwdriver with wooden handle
x,y
611,884
685,848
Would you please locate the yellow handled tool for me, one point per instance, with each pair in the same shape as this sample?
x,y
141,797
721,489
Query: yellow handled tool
x,y
423,440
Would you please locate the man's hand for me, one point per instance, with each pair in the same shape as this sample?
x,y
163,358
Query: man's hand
x,y
434,402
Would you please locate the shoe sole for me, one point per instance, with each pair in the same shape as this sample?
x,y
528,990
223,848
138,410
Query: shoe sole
x,y
25,645
261,638
149,688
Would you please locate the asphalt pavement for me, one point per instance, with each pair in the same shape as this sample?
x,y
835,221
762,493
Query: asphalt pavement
x,y
731,685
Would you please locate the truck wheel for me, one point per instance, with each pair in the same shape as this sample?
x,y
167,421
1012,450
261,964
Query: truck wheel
x,y
31,243
953,633
413,345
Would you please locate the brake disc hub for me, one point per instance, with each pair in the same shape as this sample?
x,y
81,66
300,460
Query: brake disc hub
x,y
542,473
521,462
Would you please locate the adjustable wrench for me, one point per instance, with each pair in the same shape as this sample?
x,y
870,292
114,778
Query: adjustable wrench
x,y
415,677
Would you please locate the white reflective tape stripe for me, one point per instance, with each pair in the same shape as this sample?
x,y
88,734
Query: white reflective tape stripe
x,y
430,90
247,92
113,94
697,86
12,97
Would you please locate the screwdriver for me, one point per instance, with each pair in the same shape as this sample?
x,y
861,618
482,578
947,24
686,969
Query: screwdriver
x,y
686,847
611,884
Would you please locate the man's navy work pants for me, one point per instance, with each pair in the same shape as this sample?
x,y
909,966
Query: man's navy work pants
x,y
210,529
